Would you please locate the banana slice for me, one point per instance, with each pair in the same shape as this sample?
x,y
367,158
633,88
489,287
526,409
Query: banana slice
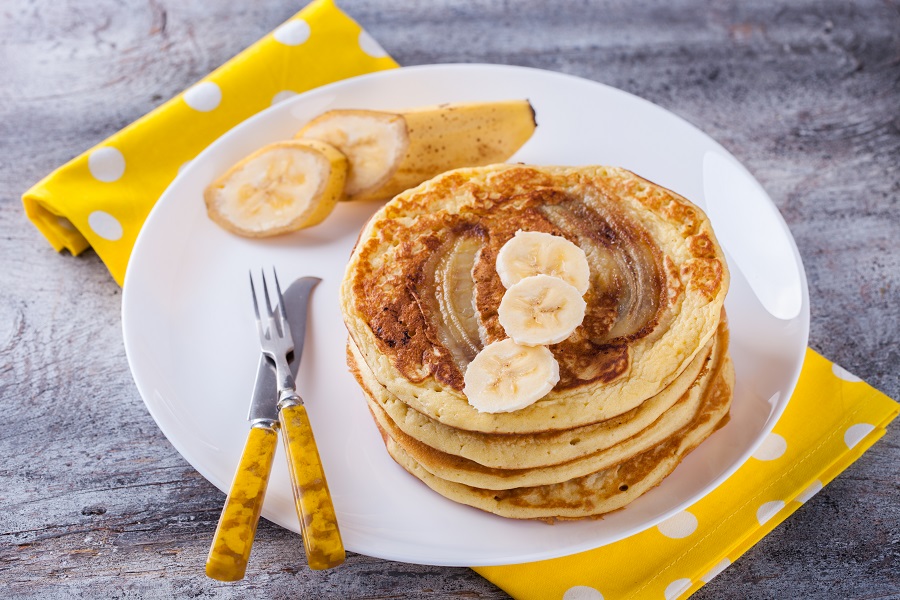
x,y
374,142
392,152
506,376
541,310
531,253
280,188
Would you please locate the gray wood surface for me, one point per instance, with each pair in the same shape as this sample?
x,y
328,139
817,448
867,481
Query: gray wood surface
x,y
95,503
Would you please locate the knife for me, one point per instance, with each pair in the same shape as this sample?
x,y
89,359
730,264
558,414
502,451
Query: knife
x,y
234,535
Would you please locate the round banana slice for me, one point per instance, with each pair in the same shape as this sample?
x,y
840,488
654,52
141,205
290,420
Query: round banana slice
x,y
541,310
374,142
280,188
506,376
531,253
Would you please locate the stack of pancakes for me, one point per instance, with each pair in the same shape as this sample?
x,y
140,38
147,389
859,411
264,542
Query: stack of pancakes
x,y
643,380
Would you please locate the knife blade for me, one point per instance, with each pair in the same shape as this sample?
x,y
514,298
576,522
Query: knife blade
x,y
264,403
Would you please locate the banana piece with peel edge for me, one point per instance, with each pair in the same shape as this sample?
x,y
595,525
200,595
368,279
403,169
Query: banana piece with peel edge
x,y
506,376
280,188
392,152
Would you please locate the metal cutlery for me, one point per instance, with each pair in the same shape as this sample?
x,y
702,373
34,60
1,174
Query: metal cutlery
x,y
273,408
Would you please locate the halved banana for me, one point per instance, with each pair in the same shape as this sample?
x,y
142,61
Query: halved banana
x,y
506,376
280,188
541,310
531,253
392,152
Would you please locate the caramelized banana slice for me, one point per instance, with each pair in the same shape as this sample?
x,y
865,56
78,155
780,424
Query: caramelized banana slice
x,y
392,152
280,188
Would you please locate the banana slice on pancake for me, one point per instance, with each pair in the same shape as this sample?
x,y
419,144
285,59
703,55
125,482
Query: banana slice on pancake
x,y
391,152
531,253
280,188
541,309
506,376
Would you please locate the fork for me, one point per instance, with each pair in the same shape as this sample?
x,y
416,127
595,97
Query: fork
x,y
233,539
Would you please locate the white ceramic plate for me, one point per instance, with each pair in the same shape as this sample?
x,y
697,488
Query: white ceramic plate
x,y
191,339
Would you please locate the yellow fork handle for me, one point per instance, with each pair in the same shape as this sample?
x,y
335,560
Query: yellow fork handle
x,y
321,536
233,539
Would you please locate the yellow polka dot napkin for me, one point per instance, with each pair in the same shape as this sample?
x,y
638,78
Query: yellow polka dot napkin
x,y
832,418
101,198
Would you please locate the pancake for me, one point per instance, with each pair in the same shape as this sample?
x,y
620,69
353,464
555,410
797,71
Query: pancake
x,y
597,493
451,467
524,451
658,281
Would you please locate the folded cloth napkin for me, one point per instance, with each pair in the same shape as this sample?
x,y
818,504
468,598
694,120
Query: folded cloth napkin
x,y
831,419
101,199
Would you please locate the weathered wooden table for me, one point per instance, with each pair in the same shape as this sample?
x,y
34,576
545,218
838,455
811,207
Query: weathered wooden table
x,y
94,502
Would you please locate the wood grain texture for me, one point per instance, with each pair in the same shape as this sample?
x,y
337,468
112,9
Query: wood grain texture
x,y
96,503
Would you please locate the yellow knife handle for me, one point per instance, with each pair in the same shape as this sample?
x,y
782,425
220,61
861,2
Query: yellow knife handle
x,y
321,536
233,539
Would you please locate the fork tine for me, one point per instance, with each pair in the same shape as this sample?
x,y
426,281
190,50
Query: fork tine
x,y
255,305
276,326
266,292
285,326
280,297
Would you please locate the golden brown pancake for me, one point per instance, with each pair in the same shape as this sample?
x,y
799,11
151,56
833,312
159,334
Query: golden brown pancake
x,y
528,451
420,293
643,380
596,493
452,467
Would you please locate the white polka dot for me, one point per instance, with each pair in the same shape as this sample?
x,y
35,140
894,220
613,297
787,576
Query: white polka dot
x,y
679,525
282,96
368,45
772,447
856,433
204,96
677,588
65,223
105,225
582,592
717,568
842,373
106,164
814,488
292,33
768,510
